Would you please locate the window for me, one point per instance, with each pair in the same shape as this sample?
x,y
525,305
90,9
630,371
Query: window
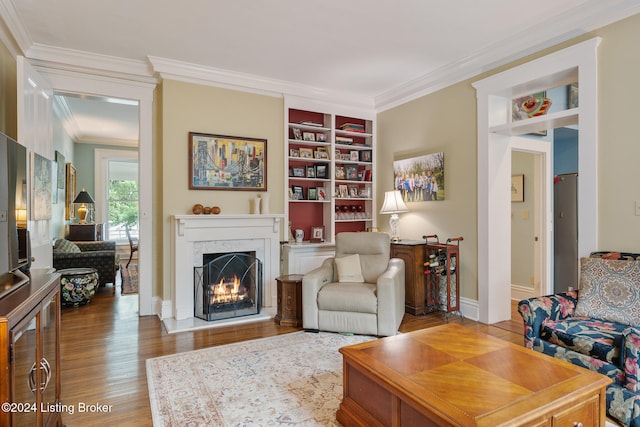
x,y
122,199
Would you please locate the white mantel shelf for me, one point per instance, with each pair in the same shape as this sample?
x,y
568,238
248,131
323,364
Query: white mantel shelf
x,y
194,235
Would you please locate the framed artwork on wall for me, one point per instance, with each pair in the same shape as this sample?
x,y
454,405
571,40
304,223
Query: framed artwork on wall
x,y
517,188
421,178
220,162
42,187
70,193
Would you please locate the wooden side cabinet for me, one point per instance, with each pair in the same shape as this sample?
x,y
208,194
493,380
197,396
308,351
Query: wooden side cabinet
x,y
30,355
86,232
289,300
412,252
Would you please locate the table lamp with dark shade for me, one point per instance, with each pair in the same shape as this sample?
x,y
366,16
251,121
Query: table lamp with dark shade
x,y
83,198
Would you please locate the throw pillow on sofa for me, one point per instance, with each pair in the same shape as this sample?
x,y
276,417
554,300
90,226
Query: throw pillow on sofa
x,y
66,246
610,290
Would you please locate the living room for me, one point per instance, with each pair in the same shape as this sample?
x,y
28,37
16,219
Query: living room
x,y
443,119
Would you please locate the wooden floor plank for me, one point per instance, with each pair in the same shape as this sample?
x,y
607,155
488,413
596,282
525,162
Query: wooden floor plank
x,y
104,346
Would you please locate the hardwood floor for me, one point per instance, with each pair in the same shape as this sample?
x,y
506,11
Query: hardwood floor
x,y
104,346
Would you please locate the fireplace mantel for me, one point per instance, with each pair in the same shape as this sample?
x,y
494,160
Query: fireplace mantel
x,y
193,235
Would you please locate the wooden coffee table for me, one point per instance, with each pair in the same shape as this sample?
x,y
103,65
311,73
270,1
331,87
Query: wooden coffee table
x,y
452,375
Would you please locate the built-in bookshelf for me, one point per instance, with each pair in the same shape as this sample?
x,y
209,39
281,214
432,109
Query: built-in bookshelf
x,y
330,182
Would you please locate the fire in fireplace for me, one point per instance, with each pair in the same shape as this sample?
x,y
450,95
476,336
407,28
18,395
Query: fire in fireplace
x,y
227,286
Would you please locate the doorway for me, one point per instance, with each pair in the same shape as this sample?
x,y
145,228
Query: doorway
x,y
142,93
496,132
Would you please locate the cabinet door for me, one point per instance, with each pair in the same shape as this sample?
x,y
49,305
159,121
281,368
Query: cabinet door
x,y
414,277
24,375
49,326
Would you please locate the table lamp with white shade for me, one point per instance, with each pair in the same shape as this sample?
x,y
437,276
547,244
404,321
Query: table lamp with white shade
x,y
393,204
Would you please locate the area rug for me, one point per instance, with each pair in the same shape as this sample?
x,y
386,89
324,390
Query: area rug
x,y
129,279
292,379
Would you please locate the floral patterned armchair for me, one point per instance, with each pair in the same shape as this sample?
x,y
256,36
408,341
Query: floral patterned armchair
x,y
597,328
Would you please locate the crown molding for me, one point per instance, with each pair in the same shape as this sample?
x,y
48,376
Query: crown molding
x,y
19,40
61,108
199,74
90,63
588,17
97,140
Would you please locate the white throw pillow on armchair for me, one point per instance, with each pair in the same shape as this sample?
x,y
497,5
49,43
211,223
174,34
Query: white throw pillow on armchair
x,y
349,270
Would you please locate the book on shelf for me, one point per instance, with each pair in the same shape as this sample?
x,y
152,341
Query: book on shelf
x,y
352,127
343,140
308,123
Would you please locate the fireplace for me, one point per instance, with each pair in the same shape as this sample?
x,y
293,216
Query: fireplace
x,y
227,285
193,236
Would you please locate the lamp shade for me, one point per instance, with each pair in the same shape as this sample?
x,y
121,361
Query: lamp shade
x,y
83,197
393,203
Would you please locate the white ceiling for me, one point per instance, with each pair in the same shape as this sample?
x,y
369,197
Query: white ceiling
x,y
382,51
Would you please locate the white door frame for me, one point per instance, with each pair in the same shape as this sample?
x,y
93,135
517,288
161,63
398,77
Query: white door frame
x,y
494,95
85,84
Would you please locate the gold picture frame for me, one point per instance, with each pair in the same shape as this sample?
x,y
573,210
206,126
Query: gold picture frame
x,y
70,193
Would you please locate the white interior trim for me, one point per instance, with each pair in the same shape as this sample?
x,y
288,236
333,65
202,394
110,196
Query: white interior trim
x,y
494,96
87,84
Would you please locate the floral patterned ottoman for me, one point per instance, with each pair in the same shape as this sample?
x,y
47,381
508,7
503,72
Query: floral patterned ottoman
x,y
78,285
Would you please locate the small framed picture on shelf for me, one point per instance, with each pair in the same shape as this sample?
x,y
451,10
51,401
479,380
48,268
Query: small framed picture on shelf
x,y
354,156
353,191
311,171
306,153
365,155
312,193
297,134
360,175
322,194
291,195
308,136
317,234
343,191
321,137
322,153
322,171
340,172
351,172
297,192
298,172
294,152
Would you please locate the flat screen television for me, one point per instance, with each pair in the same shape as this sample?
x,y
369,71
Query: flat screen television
x,y
14,237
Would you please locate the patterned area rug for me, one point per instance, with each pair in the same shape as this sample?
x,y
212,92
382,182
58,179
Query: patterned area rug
x,y
129,279
292,379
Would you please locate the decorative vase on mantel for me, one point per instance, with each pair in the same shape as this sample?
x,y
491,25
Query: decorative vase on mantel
x,y
264,204
256,205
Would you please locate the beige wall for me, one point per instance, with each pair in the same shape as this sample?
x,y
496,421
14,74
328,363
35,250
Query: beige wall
x,y
443,121
618,136
8,93
189,107
446,121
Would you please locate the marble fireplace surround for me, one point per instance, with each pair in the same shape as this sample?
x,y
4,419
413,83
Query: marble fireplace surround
x,y
195,235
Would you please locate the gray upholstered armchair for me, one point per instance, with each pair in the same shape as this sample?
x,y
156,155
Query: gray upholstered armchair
x,y
360,291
